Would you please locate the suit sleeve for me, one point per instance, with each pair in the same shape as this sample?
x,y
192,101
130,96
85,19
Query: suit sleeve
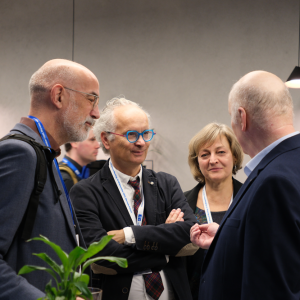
x,y
272,241
87,208
169,239
17,161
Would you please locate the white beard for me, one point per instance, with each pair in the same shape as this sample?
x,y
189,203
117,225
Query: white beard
x,y
73,126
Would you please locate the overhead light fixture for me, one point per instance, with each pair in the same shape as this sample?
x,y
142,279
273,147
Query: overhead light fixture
x,y
294,79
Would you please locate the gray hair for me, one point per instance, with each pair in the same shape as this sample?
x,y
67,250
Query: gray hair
x,y
260,104
107,122
46,77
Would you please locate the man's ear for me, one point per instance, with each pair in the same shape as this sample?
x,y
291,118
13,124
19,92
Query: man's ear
x,y
243,118
57,96
104,140
74,144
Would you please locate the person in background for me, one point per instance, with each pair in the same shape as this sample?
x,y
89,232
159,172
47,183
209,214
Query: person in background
x,y
64,97
254,253
73,167
145,211
214,156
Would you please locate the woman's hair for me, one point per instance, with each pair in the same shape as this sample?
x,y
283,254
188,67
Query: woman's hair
x,y
207,136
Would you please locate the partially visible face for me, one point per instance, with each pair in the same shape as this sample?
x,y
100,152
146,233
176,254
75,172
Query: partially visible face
x,y
88,149
126,155
79,116
216,161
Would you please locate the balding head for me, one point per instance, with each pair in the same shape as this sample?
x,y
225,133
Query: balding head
x,y
263,96
56,71
62,97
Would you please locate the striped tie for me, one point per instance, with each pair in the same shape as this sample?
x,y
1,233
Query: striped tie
x,y
153,282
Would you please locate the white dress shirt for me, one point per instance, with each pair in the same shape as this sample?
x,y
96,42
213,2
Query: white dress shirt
x,y
138,289
252,164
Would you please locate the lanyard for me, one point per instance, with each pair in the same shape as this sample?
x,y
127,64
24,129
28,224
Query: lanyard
x,y
139,219
45,139
85,172
206,206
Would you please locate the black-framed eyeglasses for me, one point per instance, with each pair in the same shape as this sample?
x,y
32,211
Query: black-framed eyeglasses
x,y
94,100
133,135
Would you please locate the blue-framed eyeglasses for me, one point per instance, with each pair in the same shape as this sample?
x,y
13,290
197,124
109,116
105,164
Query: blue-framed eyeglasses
x,y
133,135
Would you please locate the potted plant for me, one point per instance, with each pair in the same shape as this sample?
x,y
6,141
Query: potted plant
x,y
69,282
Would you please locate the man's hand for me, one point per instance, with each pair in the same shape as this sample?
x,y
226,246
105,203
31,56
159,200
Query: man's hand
x,y
203,235
175,216
119,235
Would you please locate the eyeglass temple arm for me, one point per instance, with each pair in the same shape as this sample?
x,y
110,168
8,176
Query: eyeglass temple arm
x,y
115,133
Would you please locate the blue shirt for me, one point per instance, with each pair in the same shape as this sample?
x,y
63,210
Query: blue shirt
x,y
251,165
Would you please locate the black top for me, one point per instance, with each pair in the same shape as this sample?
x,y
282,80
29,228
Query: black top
x,y
65,175
194,263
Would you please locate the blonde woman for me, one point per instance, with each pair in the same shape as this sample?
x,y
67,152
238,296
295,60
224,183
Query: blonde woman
x,y
214,156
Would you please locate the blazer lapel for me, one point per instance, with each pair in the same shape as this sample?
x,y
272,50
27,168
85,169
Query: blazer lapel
x,y
110,186
150,196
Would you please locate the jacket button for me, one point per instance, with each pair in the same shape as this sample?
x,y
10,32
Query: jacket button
x,y
124,290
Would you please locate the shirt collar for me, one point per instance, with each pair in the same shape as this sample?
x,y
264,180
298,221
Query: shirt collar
x,y
125,178
31,124
252,164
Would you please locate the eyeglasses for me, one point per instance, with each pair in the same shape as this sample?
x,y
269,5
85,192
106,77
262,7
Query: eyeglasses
x,y
133,135
94,101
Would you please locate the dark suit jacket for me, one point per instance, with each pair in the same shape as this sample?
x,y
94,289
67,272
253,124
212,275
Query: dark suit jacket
x,y
194,262
256,251
53,220
100,208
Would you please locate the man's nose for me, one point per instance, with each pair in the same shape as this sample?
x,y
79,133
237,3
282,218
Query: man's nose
x,y
140,141
95,113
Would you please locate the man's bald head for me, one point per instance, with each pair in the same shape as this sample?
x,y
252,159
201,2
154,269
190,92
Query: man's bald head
x,y
263,96
56,71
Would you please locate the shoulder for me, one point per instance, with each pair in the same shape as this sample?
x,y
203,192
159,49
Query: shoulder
x,y
195,189
159,175
17,150
236,185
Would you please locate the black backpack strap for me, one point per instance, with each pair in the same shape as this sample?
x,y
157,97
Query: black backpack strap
x,y
44,157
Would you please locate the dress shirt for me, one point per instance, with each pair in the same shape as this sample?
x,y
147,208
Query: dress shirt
x,y
251,165
138,289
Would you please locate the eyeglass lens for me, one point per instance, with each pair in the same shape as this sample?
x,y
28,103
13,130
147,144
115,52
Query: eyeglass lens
x,y
133,136
94,100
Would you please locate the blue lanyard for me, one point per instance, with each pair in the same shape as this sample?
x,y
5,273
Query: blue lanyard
x,y
85,172
45,139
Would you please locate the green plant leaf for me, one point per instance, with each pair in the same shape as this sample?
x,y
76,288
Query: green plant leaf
x,y
61,254
50,262
82,287
75,257
82,277
122,262
51,292
94,248
28,269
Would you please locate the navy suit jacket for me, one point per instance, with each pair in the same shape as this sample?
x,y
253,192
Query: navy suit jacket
x,y
53,219
100,208
256,251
